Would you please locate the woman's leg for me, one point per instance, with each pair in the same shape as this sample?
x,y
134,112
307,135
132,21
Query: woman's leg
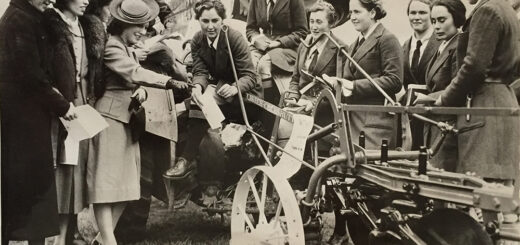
x,y
117,210
104,220
64,223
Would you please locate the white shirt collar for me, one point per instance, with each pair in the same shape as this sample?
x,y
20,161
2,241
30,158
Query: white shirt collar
x,y
214,43
445,44
426,37
370,31
267,1
319,46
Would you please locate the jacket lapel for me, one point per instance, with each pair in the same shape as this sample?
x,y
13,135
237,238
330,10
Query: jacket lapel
x,y
468,20
304,51
328,53
205,51
278,6
439,61
369,43
406,52
429,52
221,55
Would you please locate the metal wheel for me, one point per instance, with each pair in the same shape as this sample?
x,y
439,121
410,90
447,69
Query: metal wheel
x,y
265,193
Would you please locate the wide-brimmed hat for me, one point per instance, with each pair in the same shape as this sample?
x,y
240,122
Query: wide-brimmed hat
x,y
134,11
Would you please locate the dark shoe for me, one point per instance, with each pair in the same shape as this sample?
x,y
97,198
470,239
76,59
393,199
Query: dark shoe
x,y
181,169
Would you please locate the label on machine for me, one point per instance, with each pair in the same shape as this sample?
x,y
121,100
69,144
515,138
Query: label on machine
x,y
288,165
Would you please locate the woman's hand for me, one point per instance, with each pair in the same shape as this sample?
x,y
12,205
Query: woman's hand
x,y
347,86
140,94
227,91
71,113
141,53
274,44
196,93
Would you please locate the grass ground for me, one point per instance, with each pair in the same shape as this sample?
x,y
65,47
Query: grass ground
x,y
188,226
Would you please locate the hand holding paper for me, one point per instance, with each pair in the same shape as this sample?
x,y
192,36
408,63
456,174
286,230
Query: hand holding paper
x,y
88,123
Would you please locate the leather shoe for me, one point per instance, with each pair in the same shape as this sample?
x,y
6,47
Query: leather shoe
x,y
181,169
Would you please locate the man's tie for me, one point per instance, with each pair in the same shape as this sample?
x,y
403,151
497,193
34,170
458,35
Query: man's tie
x,y
314,60
270,5
360,42
415,58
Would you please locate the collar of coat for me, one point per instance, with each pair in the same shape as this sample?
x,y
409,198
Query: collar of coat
x,y
468,20
93,29
26,7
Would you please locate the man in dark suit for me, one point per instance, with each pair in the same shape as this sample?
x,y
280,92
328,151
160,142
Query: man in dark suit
x,y
418,51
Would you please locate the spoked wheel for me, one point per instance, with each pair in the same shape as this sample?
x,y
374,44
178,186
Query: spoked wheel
x,y
263,192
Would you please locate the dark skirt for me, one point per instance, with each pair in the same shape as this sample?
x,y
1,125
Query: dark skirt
x,y
492,149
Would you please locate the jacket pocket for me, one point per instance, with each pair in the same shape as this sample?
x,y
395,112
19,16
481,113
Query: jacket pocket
x,y
114,107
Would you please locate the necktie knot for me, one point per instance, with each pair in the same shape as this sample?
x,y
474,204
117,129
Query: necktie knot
x,y
419,44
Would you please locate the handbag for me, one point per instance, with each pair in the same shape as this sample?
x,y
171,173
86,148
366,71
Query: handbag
x,y
137,121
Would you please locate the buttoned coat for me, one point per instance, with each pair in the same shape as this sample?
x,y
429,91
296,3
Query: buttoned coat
x,y
489,45
287,24
122,75
27,104
439,73
380,55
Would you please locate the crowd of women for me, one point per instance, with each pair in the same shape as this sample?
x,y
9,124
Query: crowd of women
x,y
54,59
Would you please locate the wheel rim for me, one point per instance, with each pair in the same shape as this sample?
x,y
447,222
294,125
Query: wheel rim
x,y
279,223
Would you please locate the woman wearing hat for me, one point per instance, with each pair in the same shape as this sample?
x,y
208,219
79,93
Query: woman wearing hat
x,y
114,160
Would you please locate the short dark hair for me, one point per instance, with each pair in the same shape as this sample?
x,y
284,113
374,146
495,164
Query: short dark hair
x,y
327,8
116,27
204,5
456,8
376,5
94,6
427,2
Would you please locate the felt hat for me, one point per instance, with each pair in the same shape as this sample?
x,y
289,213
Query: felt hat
x,y
134,11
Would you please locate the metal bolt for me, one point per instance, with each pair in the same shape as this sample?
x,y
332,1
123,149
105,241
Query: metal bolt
x,y
496,202
476,199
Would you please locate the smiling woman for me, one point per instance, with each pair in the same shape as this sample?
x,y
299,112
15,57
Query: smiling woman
x,y
67,27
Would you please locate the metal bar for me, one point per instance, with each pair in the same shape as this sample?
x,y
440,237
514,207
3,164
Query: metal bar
x,y
321,132
241,99
281,149
478,111
360,69
313,182
392,155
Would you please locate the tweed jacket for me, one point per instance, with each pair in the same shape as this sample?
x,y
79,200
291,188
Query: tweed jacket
x,y
429,52
122,75
287,23
329,62
442,68
381,57
206,70
489,45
